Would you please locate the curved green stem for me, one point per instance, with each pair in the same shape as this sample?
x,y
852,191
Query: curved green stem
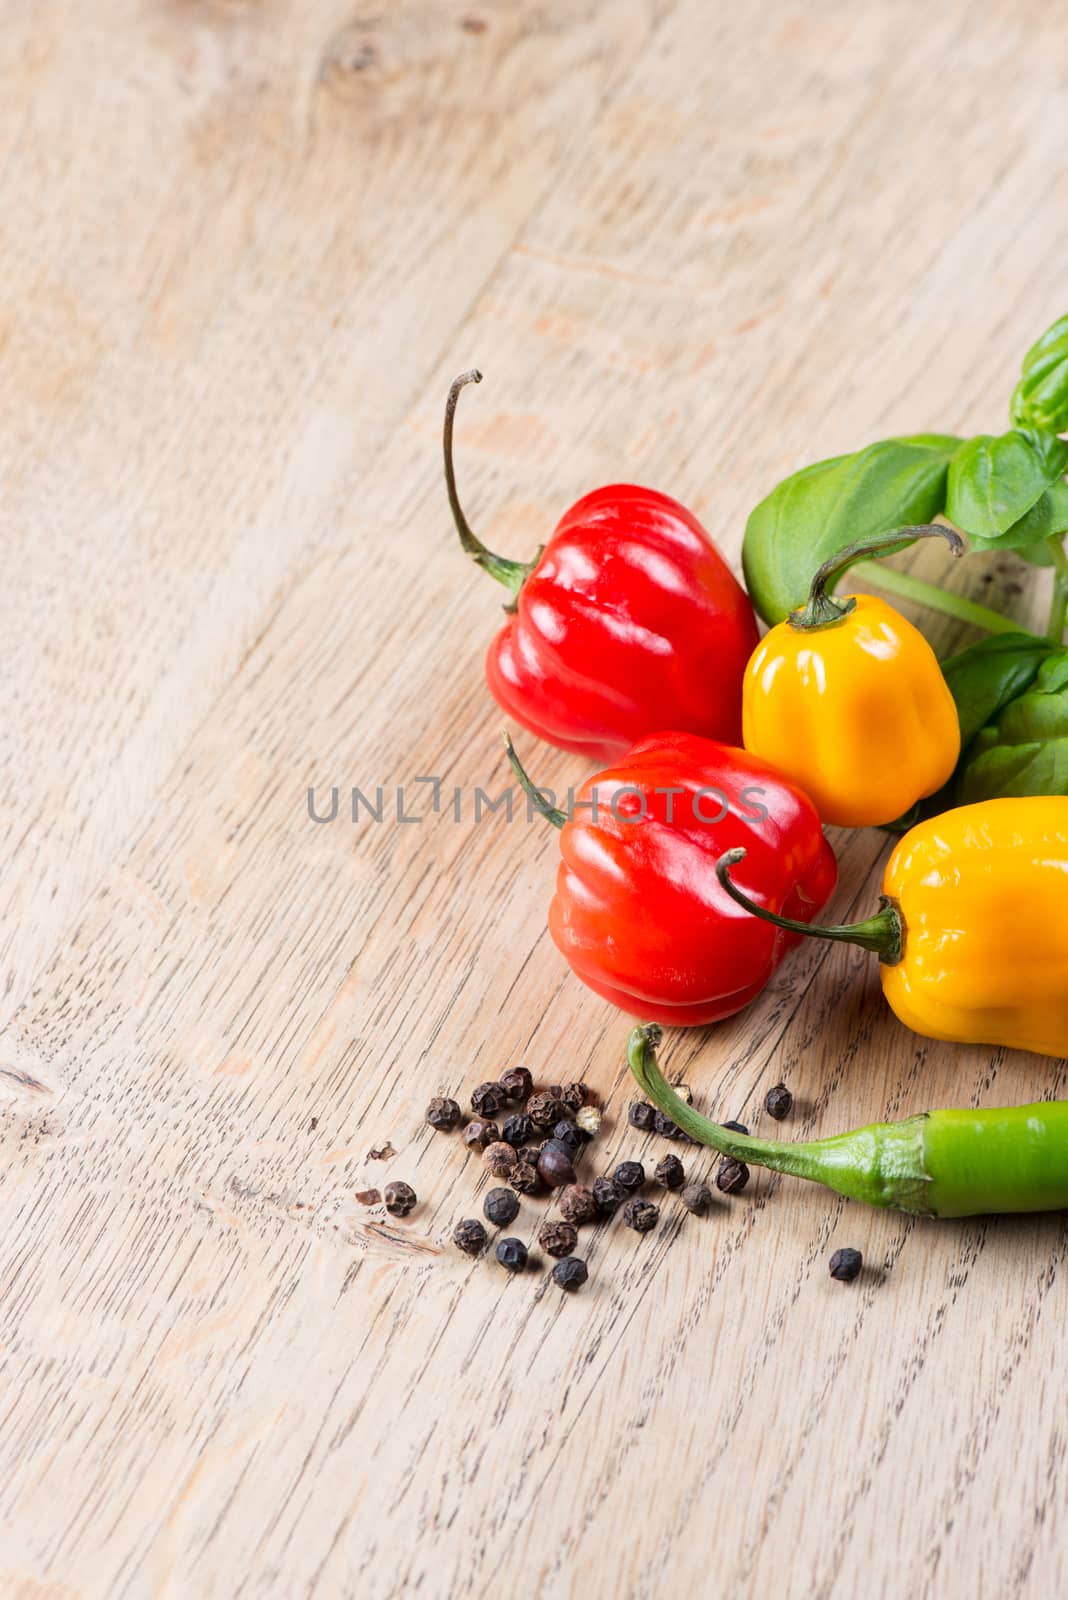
x,y
822,610
513,574
882,1165
1059,600
530,789
884,933
907,587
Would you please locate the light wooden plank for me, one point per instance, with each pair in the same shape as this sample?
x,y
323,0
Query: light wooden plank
x,y
688,247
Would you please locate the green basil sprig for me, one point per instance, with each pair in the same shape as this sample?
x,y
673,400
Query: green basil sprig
x,y
988,676
1025,750
816,512
1040,399
994,482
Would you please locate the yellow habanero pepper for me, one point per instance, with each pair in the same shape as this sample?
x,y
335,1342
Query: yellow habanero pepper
x,y
972,929
847,698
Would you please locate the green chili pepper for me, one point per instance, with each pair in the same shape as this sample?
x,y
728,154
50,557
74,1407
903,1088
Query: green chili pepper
x,y
937,1164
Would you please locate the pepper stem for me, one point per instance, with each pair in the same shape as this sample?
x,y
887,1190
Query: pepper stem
x,y
513,574
883,1164
822,610
530,789
884,933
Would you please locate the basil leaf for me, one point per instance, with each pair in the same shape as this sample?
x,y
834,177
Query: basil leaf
x,y
1040,399
994,481
1026,750
1047,518
816,512
987,676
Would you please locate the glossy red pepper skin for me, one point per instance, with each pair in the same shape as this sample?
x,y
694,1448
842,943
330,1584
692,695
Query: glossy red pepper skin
x,y
629,620
638,911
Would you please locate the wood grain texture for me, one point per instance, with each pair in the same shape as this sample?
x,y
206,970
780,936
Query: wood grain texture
x,y
247,243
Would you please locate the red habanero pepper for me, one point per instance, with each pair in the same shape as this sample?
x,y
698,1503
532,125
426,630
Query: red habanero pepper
x,y
639,913
627,621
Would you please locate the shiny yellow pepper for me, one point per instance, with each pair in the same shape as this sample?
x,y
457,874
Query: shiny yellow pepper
x,y
972,929
847,698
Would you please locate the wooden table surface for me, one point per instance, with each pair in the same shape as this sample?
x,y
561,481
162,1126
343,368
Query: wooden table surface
x,y
246,244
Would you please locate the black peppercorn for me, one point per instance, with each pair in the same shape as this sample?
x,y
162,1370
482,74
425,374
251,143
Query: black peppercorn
x,y
630,1175
488,1100
517,1083
524,1176
608,1195
500,1158
669,1173
778,1102
737,1127
512,1254
641,1215
545,1109
570,1274
574,1096
554,1164
400,1199
697,1197
845,1265
577,1203
479,1133
558,1238
501,1206
442,1113
731,1176
469,1236
641,1115
665,1127
517,1129
570,1136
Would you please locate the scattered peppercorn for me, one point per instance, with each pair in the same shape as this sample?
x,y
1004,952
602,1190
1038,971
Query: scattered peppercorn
x,y
630,1175
500,1158
368,1197
517,1083
731,1176
570,1274
665,1127
488,1099
589,1120
558,1238
641,1215
577,1203
501,1206
517,1129
641,1115
479,1133
574,1096
545,1110
400,1198
669,1173
524,1176
512,1255
554,1164
570,1136
778,1102
608,1195
697,1197
381,1152
469,1236
737,1127
443,1113
845,1265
